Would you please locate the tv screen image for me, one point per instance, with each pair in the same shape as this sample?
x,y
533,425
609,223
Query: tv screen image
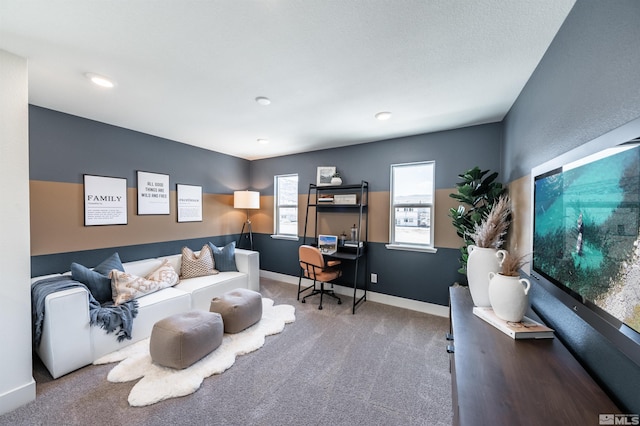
x,y
586,224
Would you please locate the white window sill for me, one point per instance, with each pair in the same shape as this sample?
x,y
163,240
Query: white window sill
x,y
411,248
285,237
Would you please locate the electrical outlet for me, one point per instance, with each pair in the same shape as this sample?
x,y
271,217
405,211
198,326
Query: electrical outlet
x,y
374,278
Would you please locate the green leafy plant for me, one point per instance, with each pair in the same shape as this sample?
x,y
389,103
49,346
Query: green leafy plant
x,y
477,193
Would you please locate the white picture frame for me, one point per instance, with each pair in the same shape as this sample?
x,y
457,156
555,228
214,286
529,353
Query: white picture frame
x,y
324,175
189,202
153,193
105,200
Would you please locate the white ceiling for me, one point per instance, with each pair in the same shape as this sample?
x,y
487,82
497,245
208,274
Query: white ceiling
x,y
190,70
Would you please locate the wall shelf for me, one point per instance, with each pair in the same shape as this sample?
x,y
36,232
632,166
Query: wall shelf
x,y
357,255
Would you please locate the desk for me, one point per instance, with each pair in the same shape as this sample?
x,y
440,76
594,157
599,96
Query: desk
x,y
496,380
354,256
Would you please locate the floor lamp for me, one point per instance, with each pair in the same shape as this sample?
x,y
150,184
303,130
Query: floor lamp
x,y
246,200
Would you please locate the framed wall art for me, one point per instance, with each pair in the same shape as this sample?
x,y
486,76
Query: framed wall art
x,y
105,200
325,173
189,203
153,193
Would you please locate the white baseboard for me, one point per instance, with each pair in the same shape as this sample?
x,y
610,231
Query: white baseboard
x,y
400,302
18,397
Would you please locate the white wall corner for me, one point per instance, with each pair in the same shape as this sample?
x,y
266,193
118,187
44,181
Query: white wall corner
x,y
17,386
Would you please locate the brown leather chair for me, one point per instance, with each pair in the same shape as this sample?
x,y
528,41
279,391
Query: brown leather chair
x,y
314,268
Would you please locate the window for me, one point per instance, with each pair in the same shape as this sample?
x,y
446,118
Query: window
x,y
412,206
286,205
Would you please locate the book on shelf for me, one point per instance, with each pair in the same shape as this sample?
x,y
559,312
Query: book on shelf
x,y
525,329
325,198
351,243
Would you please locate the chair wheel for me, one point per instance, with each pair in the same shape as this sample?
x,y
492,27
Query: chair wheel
x,y
320,307
339,302
304,301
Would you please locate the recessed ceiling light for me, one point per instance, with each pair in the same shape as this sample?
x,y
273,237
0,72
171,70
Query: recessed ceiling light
x,y
100,80
263,141
385,115
262,100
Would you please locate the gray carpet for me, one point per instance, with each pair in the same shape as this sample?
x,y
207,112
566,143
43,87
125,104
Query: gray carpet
x,y
382,366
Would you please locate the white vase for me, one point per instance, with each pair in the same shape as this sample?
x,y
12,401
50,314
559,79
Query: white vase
x,y
336,181
481,261
509,296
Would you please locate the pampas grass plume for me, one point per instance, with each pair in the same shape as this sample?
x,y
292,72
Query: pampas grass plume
x,y
491,231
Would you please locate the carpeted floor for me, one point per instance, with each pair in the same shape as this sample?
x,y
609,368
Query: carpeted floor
x,y
382,366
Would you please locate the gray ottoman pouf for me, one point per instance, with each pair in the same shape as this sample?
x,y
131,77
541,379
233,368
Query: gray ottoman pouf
x,y
240,308
182,339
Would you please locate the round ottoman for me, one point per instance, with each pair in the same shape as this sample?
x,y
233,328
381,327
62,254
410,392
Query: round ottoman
x,y
240,308
182,339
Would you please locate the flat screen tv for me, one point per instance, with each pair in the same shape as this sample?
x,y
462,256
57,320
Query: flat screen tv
x,y
586,222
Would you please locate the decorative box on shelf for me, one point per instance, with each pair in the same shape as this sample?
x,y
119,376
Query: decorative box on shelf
x,y
345,199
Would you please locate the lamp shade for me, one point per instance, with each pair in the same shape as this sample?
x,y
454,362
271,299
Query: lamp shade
x,y
246,200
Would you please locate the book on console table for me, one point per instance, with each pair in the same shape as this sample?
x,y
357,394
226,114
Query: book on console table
x,y
525,329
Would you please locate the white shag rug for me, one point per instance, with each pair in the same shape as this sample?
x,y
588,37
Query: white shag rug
x,y
159,383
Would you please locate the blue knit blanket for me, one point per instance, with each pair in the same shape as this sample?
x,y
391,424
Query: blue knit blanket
x,y
112,318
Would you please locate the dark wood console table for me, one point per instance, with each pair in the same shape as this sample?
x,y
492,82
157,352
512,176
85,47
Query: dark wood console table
x,y
496,380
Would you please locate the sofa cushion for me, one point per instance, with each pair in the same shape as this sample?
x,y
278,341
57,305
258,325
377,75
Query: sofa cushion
x,y
97,280
225,257
175,260
143,267
126,286
197,265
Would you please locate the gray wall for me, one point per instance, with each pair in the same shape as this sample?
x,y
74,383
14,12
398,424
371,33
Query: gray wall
x,y
585,86
419,276
62,147
454,152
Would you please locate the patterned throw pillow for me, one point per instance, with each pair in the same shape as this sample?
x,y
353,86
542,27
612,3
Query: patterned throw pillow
x,y
165,273
125,286
194,265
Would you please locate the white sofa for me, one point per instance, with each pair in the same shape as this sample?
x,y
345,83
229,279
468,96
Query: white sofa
x,y
69,342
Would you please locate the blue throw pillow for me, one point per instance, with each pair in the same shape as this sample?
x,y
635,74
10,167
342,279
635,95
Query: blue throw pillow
x,y
225,257
97,280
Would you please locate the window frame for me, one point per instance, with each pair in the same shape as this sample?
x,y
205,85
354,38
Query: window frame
x,y
422,247
277,206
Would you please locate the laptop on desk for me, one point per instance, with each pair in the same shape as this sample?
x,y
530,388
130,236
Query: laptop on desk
x,y
328,244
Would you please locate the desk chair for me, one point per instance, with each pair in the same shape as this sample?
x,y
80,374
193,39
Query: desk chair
x,y
314,268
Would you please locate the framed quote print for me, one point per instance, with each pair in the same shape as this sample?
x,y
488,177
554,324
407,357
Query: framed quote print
x,y
105,200
153,193
189,203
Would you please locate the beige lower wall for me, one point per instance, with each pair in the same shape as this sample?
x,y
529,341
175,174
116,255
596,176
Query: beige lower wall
x,y
57,221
